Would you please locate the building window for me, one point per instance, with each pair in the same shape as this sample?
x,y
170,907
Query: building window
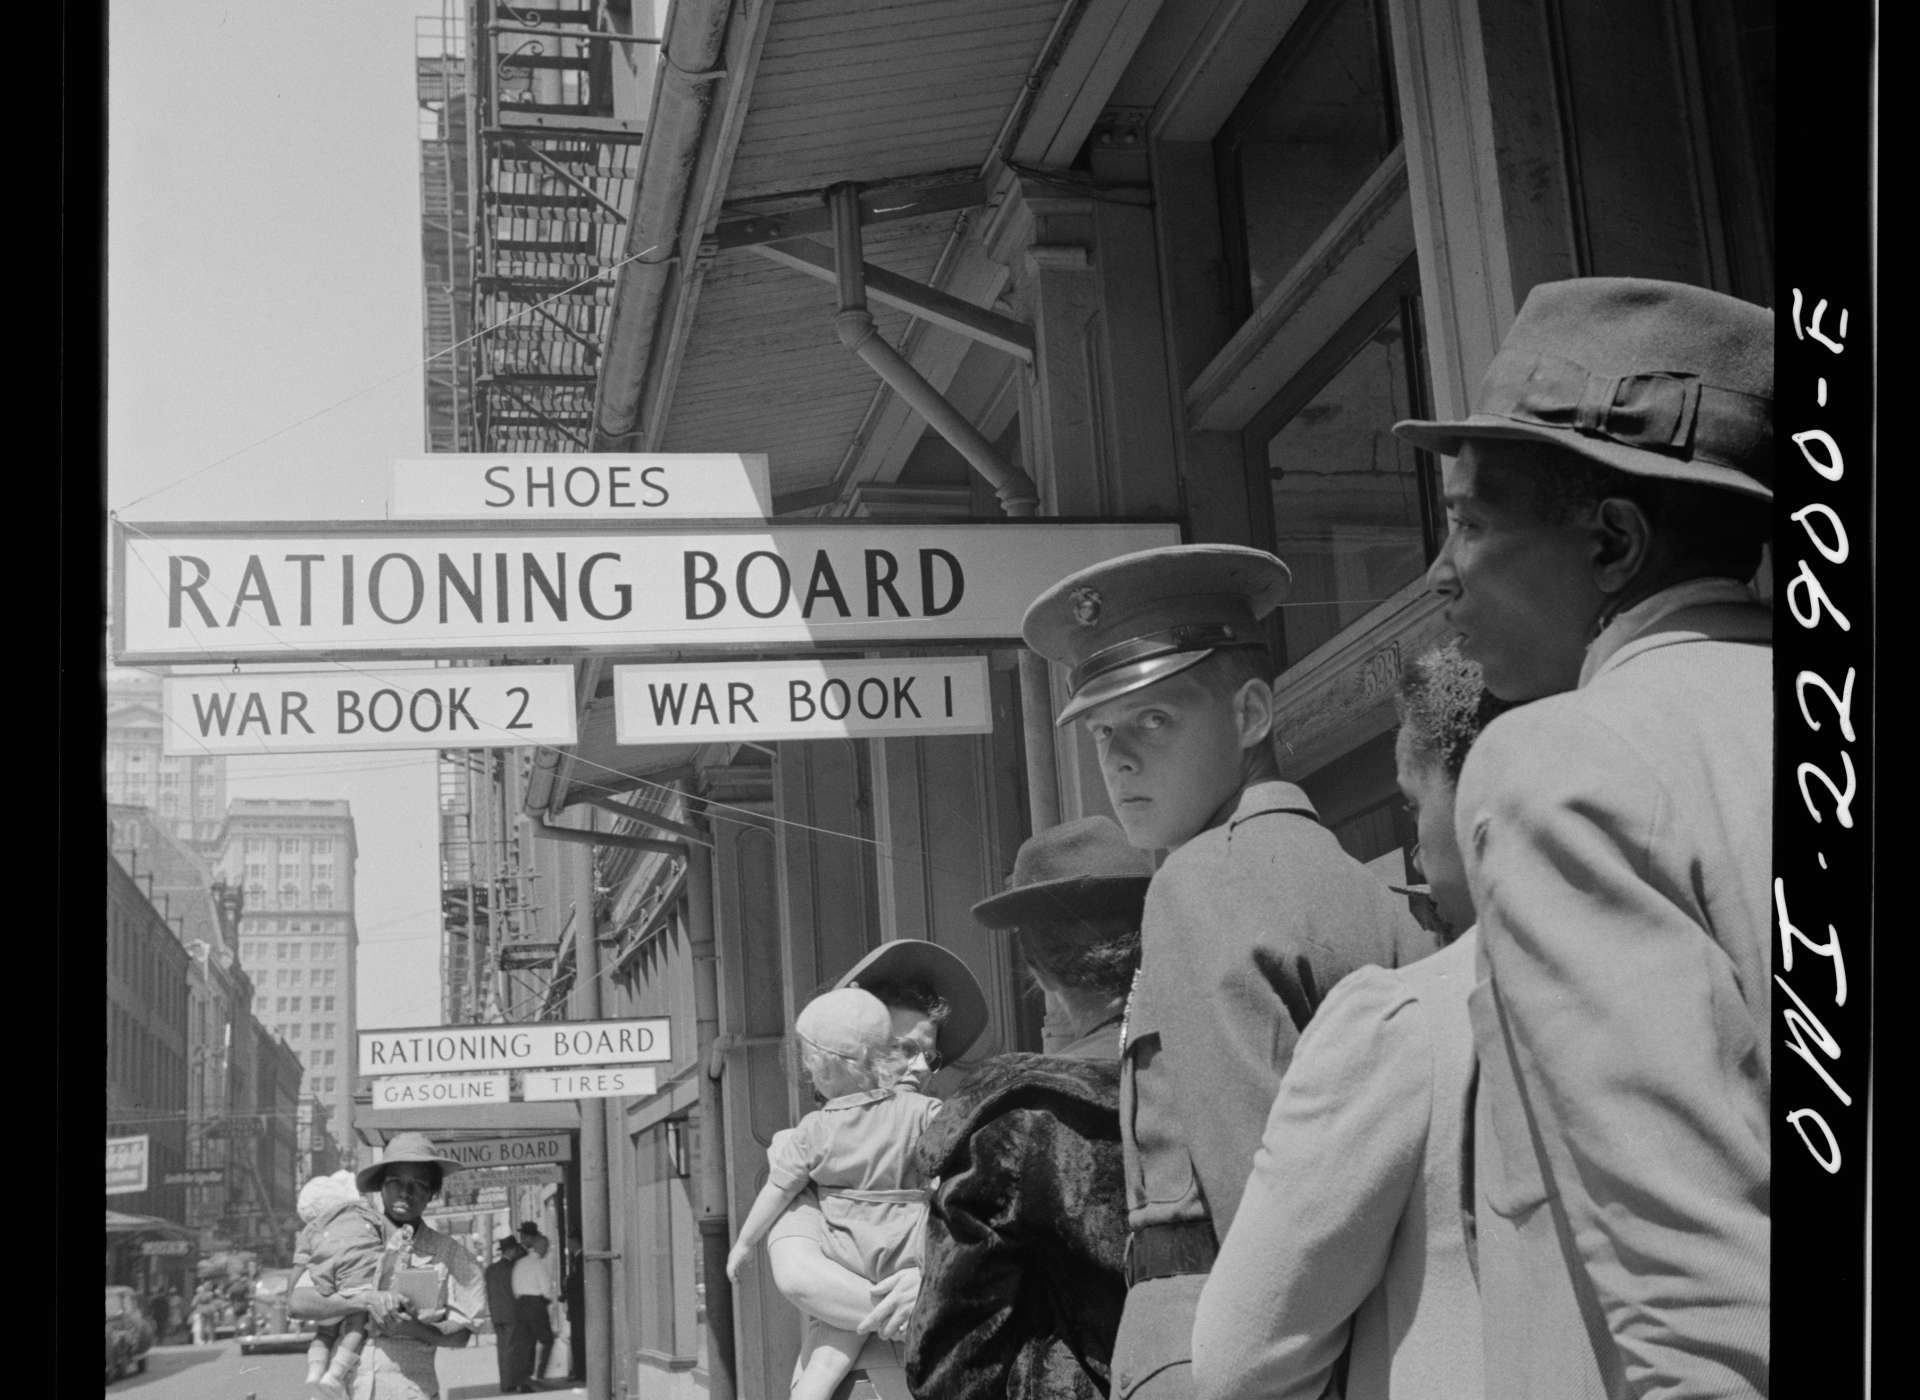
x,y
323,845
279,1003
314,1030
323,894
293,1003
289,846
280,952
333,1029
316,951
1353,508
1319,120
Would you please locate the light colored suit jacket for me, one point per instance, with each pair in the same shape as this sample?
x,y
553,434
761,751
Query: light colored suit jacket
x,y
1351,1230
1618,840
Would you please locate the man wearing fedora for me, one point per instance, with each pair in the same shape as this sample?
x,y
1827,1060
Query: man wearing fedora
x,y
1252,918
397,1363
1607,500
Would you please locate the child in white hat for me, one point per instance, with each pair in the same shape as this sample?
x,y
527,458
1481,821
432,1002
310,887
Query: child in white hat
x,y
340,1245
857,1151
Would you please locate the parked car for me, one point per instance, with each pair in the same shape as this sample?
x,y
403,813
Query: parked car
x,y
129,1332
267,1326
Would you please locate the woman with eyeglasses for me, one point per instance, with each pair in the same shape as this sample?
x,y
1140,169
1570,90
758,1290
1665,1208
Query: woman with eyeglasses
x,y
398,1360
937,1011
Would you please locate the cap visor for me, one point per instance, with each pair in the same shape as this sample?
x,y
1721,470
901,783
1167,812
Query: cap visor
x,y
1124,681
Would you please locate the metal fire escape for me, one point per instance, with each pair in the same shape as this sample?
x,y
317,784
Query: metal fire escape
x,y
555,164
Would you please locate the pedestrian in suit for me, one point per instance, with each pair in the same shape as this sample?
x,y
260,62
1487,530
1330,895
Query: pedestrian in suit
x,y
1252,918
1607,499
499,1280
1351,1256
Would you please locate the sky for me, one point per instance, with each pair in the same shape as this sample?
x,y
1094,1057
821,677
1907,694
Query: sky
x,y
264,346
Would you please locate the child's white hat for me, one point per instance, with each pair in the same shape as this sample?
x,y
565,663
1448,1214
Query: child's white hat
x,y
325,1191
847,1022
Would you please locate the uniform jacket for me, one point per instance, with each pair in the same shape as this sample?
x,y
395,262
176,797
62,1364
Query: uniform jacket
x,y
1618,840
1351,1240
1022,1285
1247,928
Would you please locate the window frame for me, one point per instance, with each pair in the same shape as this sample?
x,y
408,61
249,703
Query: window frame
x,y
1400,291
1229,193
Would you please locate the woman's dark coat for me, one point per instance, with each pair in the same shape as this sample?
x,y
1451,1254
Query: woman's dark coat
x,y
1026,1235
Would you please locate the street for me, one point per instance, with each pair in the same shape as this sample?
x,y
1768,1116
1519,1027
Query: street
x,y
220,1372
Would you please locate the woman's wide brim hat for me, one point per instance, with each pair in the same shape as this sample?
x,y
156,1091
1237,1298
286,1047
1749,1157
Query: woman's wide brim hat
x,y
1069,874
405,1147
1651,378
910,960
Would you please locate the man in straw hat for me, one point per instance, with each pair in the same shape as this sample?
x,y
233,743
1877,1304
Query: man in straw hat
x,y
1254,915
397,1363
1607,499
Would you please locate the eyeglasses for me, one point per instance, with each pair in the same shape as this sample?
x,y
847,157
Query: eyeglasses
x,y
914,1050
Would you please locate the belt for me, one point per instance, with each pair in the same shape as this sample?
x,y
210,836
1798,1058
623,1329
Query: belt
x,y
1162,1251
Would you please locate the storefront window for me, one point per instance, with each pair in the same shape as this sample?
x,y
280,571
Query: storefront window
x,y
1351,503
1315,124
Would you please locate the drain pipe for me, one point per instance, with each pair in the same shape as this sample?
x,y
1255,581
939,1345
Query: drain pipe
x,y
1019,498
711,1172
854,325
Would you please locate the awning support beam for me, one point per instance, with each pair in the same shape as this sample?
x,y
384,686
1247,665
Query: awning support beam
x,y
943,309
853,323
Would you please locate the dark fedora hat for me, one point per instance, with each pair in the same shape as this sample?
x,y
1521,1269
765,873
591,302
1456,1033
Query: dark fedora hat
x,y
1069,873
404,1147
911,960
1651,378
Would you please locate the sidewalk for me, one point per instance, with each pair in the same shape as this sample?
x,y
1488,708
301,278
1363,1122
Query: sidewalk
x,y
472,1373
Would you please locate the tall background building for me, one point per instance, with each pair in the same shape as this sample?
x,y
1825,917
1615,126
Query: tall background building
x,y
293,861
186,794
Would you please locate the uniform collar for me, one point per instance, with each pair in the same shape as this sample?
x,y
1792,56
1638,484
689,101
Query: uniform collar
x,y
1271,795
1632,629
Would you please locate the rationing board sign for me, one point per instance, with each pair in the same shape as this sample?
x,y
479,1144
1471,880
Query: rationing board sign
x,y
534,1045
765,700
194,592
525,1150
461,707
584,486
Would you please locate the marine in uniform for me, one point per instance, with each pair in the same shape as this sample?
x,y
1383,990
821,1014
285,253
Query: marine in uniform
x,y
1253,916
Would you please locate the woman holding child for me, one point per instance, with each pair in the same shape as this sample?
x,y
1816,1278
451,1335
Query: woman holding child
x,y
1024,1243
397,1362
935,1011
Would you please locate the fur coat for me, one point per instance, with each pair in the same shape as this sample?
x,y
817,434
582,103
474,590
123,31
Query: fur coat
x,y
1026,1235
